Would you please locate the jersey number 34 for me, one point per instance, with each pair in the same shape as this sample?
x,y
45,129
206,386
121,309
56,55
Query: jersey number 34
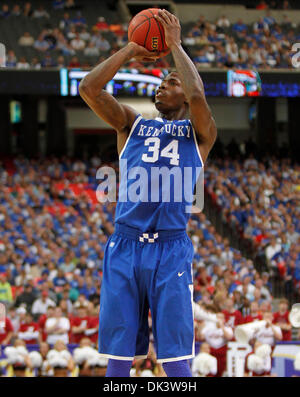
x,y
170,151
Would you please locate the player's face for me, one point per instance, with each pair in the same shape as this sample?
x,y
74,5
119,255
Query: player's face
x,y
170,95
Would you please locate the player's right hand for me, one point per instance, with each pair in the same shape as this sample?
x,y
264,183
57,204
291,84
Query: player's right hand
x,y
141,54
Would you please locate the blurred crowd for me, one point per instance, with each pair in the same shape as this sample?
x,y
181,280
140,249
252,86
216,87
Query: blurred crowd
x,y
52,237
265,44
260,200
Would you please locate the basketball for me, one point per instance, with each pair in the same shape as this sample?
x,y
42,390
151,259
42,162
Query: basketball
x,y
146,31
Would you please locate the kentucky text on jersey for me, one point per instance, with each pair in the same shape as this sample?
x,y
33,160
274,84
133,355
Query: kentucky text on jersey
x,y
172,129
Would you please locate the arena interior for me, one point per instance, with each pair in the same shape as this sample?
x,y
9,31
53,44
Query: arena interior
x,y
53,228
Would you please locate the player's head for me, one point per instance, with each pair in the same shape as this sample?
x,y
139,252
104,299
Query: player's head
x,y
170,95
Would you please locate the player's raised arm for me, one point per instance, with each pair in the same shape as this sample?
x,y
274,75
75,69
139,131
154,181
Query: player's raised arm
x,y
192,84
91,88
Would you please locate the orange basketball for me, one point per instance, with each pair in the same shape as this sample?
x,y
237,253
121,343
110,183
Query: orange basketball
x,y
146,31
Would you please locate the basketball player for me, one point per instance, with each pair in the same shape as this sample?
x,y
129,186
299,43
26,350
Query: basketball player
x,y
148,259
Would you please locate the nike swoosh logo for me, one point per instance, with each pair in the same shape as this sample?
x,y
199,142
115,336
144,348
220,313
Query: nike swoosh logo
x,y
180,274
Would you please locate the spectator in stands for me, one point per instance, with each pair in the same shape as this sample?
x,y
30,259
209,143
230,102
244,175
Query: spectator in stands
x,y
5,290
58,4
13,315
6,332
23,64
28,11
63,45
26,298
48,61
60,280
29,330
281,319
41,305
101,25
65,23
84,34
77,43
40,43
272,249
79,325
292,235
4,13
239,27
262,5
264,291
100,43
35,63
233,317
26,40
246,288
91,50
40,12
11,59
223,22
254,314
60,62
74,62
286,5
16,10
71,34
269,19
79,20
70,4
57,327
201,60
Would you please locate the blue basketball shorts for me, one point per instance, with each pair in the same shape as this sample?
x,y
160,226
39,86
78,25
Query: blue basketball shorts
x,y
142,271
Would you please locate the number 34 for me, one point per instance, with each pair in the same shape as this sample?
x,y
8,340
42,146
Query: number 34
x,y
170,151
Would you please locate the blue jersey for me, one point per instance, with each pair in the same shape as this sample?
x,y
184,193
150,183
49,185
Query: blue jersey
x,y
159,167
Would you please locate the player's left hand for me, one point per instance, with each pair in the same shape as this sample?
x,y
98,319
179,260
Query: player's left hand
x,y
171,27
141,54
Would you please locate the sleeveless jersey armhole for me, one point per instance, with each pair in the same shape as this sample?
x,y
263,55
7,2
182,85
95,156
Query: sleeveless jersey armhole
x,y
135,123
196,144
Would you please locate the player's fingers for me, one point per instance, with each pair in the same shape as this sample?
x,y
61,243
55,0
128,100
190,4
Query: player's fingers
x,y
160,19
170,15
164,15
145,59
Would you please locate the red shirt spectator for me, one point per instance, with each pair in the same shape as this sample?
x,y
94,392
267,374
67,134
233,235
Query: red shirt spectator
x,y
29,331
42,322
79,325
92,328
233,317
254,314
6,332
281,319
102,24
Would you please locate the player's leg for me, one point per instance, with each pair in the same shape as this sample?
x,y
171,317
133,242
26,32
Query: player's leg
x,y
172,308
118,368
177,369
119,302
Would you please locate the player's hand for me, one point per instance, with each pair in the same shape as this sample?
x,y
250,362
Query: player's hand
x,y
171,27
141,54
